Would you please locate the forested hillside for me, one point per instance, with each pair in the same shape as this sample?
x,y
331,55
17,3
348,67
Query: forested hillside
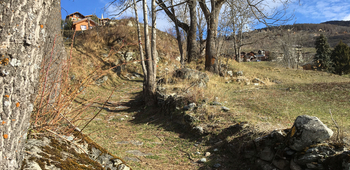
x,y
333,30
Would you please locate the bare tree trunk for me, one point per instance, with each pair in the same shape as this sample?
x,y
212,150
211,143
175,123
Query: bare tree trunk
x,y
178,36
192,32
140,44
200,33
211,53
240,44
150,84
189,29
211,58
154,47
31,28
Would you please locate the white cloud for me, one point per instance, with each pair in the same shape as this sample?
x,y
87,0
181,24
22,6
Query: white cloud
x,y
324,10
347,18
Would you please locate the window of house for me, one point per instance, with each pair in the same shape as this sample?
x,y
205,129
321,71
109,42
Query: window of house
x,y
83,27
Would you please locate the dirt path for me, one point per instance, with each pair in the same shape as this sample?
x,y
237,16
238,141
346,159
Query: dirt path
x,y
143,140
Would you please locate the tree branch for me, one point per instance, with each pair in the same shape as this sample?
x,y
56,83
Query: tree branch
x,y
171,6
126,8
205,9
171,15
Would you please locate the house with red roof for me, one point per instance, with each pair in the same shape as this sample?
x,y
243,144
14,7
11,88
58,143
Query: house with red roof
x,y
84,22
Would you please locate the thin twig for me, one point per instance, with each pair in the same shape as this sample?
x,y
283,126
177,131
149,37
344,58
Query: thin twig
x,y
47,72
335,123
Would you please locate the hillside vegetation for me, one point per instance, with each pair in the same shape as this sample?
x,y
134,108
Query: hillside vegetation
x,y
333,30
146,138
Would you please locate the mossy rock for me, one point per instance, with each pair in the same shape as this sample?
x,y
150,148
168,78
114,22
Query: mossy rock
x,y
81,153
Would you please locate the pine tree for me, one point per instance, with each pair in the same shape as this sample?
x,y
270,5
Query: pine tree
x,y
341,58
68,24
94,18
322,58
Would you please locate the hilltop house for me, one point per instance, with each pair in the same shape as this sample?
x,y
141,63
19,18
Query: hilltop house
x,y
84,22
103,21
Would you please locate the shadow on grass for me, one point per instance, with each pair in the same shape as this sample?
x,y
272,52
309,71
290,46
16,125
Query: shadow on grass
x,y
225,154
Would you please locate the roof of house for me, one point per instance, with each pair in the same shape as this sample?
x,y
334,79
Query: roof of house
x,y
76,22
75,13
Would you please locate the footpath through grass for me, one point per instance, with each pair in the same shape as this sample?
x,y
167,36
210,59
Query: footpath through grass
x,y
146,139
143,138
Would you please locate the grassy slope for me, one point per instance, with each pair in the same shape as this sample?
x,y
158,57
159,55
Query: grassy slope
x,y
301,92
268,106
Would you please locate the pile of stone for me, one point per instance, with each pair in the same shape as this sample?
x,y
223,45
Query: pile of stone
x,y
197,77
301,147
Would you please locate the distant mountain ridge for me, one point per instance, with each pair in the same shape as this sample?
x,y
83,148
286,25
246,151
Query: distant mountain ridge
x,y
340,23
333,30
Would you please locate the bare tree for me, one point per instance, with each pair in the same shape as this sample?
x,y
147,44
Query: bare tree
x,y
178,35
139,42
31,35
257,8
290,45
151,67
240,19
148,62
190,28
212,15
201,30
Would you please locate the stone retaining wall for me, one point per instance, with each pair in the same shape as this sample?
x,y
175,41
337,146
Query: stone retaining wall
x,y
302,147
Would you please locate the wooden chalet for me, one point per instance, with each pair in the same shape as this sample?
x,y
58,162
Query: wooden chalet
x,y
84,22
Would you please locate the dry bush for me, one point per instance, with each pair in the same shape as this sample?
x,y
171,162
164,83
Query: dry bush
x,y
194,94
100,37
56,108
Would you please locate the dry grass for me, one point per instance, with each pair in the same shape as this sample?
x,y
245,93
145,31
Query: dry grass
x,y
265,107
300,92
286,94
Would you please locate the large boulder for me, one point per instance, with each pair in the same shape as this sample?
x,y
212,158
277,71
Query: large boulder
x,y
192,75
308,130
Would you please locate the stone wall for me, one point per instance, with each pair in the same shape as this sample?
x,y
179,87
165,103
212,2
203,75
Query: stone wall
x,y
301,147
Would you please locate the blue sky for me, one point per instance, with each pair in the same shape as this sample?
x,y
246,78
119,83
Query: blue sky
x,y
317,11
85,7
307,11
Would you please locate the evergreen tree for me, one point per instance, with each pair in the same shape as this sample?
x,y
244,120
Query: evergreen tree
x,y
322,58
341,58
95,18
68,24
